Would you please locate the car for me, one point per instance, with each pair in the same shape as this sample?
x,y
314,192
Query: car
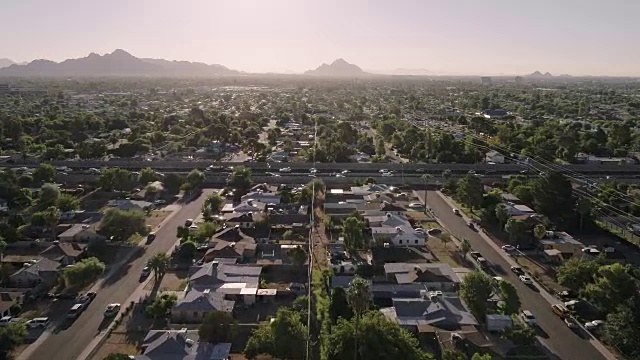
x,y
382,171
571,303
419,230
83,300
387,174
475,254
508,248
471,226
193,227
5,320
38,322
482,262
434,231
456,211
285,170
560,310
526,279
570,322
517,270
111,310
91,295
151,237
146,271
313,170
159,202
566,294
528,318
188,222
415,205
75,311
592,325
344,172
339,175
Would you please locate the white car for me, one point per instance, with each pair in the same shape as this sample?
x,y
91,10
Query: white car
x,y
387,174
593,324
415,205
508,247
526,279
339,175
285,170
382,171
528,318
344,172
456,211
313,170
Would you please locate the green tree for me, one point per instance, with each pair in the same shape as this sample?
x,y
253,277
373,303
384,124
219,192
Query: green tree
x,y
284,338
465,247
449,354
621,329
195,179
217,327
67,202
378,338
51,216
353,233
576,273
510,302
470,191
83,272
160,306
45,173
359,299
214,203
48,196
583,208
339,305
539,231
172,183
122,224
205,231
116,179
298,255
475,289
518,230
159,263
240,180
553,196
147,175
187,250
502,215
11,336
521,335
478,356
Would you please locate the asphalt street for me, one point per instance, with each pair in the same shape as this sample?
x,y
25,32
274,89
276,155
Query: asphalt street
x,y
68,343
553,332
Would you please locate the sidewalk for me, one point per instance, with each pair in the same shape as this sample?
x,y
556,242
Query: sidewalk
x,y
543,292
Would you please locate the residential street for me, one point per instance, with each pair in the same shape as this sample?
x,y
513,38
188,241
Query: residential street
x,y
68,344
564,342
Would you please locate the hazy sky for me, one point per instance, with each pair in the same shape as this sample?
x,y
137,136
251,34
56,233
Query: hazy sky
x,y
447,36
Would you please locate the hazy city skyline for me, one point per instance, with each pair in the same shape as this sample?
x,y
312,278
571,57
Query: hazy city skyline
x,y
445,37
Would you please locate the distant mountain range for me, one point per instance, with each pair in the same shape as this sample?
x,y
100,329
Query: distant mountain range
x,y
337,68
6,62
118,63
538,74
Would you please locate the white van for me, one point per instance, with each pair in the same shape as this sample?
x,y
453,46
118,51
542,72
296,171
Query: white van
x,y
38,322
75,311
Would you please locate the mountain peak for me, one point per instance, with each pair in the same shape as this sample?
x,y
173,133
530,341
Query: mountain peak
x,y
6,62
120,53
338,67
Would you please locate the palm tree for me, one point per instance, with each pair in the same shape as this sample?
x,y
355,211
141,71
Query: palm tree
x,y
359,298
426,178
158,264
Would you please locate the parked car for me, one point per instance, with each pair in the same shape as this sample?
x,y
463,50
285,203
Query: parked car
x,y
508,247
475,254
38,322
111,310
592,325
188,222
471,226
566,294
75,311
571,324
526,279
146,271
528,318
434,231
151,237
415,205
560,310
456,211
5,320
517,270
159,202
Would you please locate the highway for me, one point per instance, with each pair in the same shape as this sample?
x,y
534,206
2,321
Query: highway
x,y
553,332
68,344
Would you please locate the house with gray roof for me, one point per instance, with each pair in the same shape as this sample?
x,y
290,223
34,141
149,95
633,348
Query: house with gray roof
x,y
444,312
41,274
180,344
435,276
195,305
134,205
210,274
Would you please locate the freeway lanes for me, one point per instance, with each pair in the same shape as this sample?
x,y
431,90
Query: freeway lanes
x,y
566,344
68,344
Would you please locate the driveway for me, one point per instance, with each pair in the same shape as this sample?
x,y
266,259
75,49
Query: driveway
x,y
553,332
61,343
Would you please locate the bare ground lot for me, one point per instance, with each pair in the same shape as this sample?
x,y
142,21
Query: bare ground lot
x,y
155,217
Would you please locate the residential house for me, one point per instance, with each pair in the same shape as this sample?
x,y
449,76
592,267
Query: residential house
x,y
143,194
231,242
261,196
211,274
558,246
9,299
444,312
41,274
435,276
80,233
369,188
242,219
517,210
495,114
195,305
244,207
340,195
274,254
395,229
339,211
126,204
494,157
66,253
180,344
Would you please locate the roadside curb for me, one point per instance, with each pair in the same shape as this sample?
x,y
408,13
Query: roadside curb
x,y
542,290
